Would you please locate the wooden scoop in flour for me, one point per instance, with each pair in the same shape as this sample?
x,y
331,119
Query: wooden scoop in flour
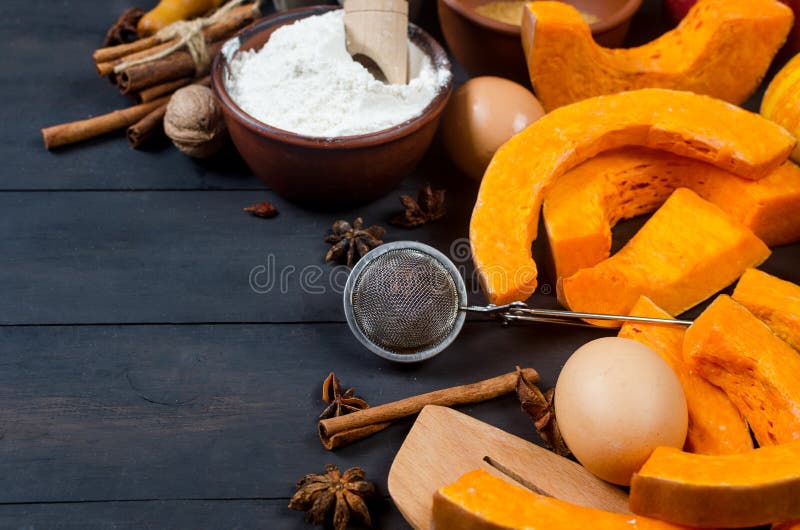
x,y
444,444
378,30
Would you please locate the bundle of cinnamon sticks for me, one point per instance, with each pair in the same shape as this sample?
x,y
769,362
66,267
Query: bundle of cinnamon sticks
x,y
150,84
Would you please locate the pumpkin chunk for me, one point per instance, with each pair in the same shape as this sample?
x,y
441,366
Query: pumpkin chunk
x,y
776,302
687,251
506,214
722,48
734,350
730,491
479,500
715,425
582,207
781,103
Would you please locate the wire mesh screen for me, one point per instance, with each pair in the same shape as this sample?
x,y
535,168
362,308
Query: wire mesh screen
x,y
405,301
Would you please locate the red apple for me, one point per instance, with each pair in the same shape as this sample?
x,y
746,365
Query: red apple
x,y
677,9
793,42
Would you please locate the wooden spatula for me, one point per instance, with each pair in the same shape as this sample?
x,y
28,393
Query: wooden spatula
x,y
378,29
444,444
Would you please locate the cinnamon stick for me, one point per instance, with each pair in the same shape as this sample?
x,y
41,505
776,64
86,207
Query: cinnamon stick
x,y
237,18
78,131
170,68
112,53
144,129
341,430
155,92
153,123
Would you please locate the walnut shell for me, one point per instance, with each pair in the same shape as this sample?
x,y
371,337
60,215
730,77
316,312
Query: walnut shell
x,y
194,121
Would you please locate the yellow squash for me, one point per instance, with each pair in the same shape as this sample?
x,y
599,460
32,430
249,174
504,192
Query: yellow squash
x,y
731,491
582,207
715,425
687,251
781,101
169,11
722,48
776,302
737,352
481,501
506,214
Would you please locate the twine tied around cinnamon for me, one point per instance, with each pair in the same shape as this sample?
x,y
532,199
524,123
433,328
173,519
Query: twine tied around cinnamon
x,y
190,35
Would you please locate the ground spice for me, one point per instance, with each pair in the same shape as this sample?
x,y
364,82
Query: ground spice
x,y
510,12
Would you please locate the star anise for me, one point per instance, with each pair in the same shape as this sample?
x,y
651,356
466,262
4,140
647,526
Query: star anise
x,y
339,403
540,408
429,206
342,493
124,28
348,240
262,209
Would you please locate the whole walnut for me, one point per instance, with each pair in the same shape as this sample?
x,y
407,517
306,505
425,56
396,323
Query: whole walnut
x,y
194,121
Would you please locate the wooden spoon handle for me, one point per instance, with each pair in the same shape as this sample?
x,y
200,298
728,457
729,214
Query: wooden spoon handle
x,y
378,29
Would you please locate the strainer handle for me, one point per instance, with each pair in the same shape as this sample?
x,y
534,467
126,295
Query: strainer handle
x,y
521,311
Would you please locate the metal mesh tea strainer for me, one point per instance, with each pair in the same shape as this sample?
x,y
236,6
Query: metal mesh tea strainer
x,y
406,301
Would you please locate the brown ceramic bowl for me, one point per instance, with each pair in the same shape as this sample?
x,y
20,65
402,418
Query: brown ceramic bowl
x,y
484,46
347,168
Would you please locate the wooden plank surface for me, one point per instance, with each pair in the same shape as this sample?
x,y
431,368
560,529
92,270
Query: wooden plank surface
x,y
195,257
220,411
143,382
267,514
182,256
48,77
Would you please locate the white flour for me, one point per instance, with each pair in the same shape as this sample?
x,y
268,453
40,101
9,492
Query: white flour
x,y
304,81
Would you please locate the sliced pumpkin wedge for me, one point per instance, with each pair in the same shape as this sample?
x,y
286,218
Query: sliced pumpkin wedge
x,y
506,214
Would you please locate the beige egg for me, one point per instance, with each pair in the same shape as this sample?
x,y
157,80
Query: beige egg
x,y
615,401
481,116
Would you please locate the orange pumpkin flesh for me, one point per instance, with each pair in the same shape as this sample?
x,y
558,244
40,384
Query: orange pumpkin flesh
x,y
728,491
504,221
687,251
715,425
781,101
722,48
581,207
735,351
776,302
481,501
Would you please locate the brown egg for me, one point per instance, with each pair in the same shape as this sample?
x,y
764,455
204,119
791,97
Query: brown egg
x,y
481,116
616,400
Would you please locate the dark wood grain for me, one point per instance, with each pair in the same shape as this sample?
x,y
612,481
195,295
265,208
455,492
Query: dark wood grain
x,y
140,257
91,413
143,382
259,514
183,257
48,77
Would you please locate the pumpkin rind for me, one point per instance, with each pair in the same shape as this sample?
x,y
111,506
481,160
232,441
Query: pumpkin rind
x,y
735,351
506,214
581,208
774,301
481,501
727,491
715,425
722,48
687,251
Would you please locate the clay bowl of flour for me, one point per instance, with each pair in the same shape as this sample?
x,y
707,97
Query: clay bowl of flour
x,y
315,128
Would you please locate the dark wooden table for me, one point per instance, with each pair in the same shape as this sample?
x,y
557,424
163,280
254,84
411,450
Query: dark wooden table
x,y
145,382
